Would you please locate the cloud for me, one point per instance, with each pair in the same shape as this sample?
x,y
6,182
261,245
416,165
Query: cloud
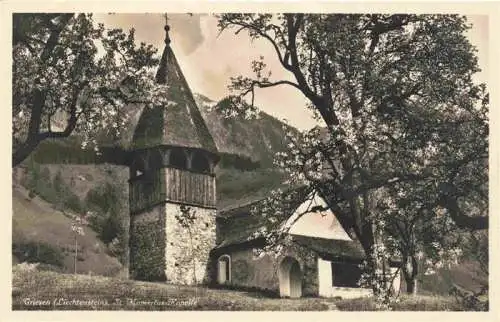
x,y
185,28
208,59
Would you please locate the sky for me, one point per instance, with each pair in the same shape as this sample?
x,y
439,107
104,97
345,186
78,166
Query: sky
x,y
208,58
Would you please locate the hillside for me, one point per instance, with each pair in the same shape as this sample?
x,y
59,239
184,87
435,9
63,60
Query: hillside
x,y
43,234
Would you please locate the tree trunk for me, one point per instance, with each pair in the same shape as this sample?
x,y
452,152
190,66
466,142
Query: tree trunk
x,y
411,285
23,151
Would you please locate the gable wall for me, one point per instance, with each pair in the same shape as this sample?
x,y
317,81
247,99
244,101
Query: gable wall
x,y
317,224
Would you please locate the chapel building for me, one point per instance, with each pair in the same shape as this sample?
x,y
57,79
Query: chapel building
x,y
178,236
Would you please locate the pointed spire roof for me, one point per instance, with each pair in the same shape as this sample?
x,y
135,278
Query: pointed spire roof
x,y
180,122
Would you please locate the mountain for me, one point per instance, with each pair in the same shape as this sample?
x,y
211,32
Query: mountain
x,y
258,138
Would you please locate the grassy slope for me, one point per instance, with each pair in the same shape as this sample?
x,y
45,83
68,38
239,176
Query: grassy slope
x,y
235,187
406,303
36,220
50,286
119,294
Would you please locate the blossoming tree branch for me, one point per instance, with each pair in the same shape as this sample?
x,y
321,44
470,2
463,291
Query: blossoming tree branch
x,y
67,65
403,152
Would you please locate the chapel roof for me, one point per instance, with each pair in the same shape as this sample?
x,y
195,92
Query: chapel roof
x,y
331,248
178,122
238,224
238,227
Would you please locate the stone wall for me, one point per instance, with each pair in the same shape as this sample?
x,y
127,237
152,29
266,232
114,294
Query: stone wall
x,y
147,245
249,270
187,249
308,266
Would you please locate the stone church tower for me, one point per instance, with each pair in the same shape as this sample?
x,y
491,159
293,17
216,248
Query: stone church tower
x,y
172,186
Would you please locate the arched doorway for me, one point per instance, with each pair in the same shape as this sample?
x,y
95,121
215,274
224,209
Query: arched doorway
x,y
224,269
290,278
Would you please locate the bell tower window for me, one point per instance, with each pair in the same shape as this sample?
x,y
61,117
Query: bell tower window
x,y
200,163
178,159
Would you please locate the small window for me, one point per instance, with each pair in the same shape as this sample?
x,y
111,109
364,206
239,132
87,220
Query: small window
x,y
345,274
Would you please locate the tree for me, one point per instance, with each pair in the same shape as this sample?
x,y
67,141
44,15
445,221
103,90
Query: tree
x,y
61,76
77,229
391,90
419,232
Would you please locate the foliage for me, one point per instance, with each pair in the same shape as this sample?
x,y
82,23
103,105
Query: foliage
x,y
401,109
476,248
38,252
38,180
420,232
103,205
472,301
106,203
239,162
59,73
233,184
147,246
59,151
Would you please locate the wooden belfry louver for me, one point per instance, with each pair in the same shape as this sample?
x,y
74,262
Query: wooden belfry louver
x,y
171,170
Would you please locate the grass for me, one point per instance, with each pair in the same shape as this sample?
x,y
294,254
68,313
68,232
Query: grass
x,y
82,292
55,291
405,303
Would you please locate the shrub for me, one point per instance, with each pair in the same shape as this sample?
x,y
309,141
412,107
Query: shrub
x,y
35,252
55,191
71,201
471,301
107,201
236,161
